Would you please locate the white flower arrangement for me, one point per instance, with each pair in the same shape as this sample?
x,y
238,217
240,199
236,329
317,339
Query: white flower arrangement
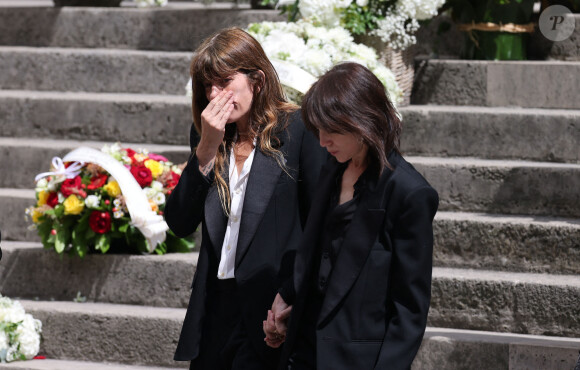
x,y
150,3
316,49
394,21
19,332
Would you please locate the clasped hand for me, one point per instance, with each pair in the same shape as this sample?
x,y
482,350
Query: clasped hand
x,y
275,325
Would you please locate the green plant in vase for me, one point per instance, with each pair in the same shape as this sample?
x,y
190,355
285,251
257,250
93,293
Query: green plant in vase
x,y
495,29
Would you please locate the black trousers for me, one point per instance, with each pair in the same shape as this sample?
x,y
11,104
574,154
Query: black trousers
x,y
224,342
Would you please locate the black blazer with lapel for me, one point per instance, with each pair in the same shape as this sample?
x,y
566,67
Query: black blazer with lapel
x,y
274,212
374,312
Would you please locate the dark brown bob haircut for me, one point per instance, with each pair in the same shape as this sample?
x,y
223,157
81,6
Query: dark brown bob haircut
x,y
349,98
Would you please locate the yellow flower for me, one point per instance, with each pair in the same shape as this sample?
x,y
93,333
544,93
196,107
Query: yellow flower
x,y
42,197
36,215
155,167
113,189
154,206
73,205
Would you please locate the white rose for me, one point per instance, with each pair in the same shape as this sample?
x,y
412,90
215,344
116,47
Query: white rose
x,y
362,3
156,185
41,185
159,198
93,201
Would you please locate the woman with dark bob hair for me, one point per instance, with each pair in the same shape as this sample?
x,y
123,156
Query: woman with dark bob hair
x,y
361,288
248,182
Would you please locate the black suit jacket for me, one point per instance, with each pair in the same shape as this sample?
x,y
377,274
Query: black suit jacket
x,y
275,208
374,312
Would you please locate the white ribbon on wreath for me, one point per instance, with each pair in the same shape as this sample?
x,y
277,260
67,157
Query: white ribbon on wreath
x,y
150,224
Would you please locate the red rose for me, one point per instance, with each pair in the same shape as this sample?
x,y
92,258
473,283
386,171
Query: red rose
x,y
100,222
71,186
52,199
130,153
173,180
97,181
142,174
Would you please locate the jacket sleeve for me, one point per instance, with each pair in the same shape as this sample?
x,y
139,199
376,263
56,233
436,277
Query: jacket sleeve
x,y
410,287
184,207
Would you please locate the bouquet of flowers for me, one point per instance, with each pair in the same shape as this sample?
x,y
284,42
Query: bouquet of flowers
x,y
315,49
19,332
80,207
394,21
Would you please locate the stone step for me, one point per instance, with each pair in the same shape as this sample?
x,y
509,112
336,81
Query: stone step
x,y
464,184
507,243
491,132
468,349
529,84
527,303
13,222
48,364
176,27
500,133
462,240
524,303
25,158
94,70
502,186
96,332
29,271
162,119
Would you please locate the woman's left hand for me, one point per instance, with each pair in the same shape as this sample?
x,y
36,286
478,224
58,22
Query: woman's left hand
x,y
273,338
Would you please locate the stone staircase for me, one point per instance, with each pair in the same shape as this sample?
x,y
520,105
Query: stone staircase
x,y
504,157
500,142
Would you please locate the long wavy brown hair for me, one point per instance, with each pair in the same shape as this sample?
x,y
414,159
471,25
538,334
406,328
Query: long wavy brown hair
x,y
349,98
229,51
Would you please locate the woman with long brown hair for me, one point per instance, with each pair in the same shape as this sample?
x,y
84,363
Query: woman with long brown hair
x,y
361,288
249,182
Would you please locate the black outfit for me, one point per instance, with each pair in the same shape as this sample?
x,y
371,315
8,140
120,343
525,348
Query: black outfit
x,y
371,312
223,323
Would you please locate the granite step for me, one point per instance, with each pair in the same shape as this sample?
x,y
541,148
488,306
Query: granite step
x,y
503,186
549,135
494,133
507,243
146,118
528,84
49,364
462,240
493,300
452,349
96,332
94,70
524,303
31,272
464,184
13,222
176,27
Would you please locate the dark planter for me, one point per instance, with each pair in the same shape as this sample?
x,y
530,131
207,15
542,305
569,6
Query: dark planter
x,y
99,3
493,45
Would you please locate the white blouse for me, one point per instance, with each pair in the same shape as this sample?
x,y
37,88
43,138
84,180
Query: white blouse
x,y
238,185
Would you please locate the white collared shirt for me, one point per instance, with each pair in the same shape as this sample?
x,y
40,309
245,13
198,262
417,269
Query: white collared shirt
x,y
238,184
